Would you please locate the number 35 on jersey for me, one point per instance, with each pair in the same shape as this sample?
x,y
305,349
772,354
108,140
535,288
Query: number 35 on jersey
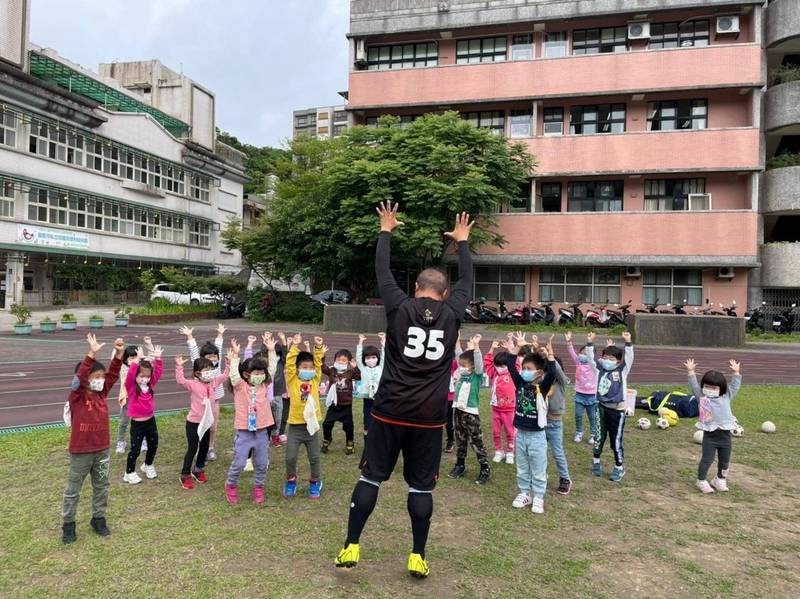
x,y
422,342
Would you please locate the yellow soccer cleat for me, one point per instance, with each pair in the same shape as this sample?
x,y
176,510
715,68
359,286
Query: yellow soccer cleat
x,y
348,557
417,566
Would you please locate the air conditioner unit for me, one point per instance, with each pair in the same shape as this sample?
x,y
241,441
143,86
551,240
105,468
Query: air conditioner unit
x,y
633,272
639,30
726,272
727,24
699,201
361,54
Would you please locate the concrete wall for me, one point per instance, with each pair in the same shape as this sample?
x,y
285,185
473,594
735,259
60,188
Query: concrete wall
x,y
783,21
780,264
782,193
782,107
687,331
354,319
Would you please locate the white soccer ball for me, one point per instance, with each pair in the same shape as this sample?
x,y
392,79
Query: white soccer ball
x,y
738,430
662,423
643,423
698,437
768,427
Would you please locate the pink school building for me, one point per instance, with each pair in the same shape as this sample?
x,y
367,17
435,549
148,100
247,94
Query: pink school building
x,y
650,126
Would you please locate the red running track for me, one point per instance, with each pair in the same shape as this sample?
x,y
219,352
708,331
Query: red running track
x,y
36,370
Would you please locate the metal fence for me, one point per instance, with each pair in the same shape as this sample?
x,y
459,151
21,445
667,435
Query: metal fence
x,y
781,298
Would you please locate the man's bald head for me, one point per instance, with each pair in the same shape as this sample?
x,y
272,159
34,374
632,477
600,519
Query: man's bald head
x,y
433,283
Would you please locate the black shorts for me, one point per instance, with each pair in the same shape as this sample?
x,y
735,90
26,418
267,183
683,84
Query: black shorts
x,y
422,452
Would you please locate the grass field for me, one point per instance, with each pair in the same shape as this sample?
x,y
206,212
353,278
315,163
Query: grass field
x,y
653,535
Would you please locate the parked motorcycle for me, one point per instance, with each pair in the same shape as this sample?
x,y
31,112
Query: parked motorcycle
x,y
233,308
754,319
596,317
648,309
784,322
478,312
570,316
730,310
619,316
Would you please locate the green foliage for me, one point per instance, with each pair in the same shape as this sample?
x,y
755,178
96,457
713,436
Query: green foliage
x,y
783,160
281,306
187,283
96,317
784,74
323,223
123,311
46,319
260,163
68,317
160,306
98,276
21,313
149,279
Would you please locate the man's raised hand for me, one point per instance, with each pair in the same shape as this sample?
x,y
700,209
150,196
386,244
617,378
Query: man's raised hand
x,y
462,228
388,216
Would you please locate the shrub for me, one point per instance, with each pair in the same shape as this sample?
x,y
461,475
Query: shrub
x,y
68,317
46,319
282,306
160,306
95,317
122,311
22,313
783,160
784,74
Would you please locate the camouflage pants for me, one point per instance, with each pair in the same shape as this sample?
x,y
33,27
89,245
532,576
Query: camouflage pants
x,y
468,430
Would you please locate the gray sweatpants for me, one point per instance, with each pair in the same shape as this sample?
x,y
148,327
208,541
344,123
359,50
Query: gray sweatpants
x,y
297,435
80,464
715,444
124,419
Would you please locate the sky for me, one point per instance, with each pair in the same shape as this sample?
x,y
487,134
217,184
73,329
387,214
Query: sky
x,y
262,58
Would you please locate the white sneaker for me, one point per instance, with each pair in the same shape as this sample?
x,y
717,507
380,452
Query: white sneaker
x,y
212,455
720,484
149,471
510,457
120,447
248,467
498,456
591,440
132,478
704,487
537,506
578,437
521,500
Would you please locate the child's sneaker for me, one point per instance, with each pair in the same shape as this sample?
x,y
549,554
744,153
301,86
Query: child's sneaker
x,y
232,494
521,500
68,533
578,437
275,442
617,474
417,566
483,477
720,484
458,471
284,439
591,441
144,445
564,486
186,482
212,455
258,495
326,446
510,457
348,557
449,447
199,476
537,505
248,465
350,449
596,469
314,489
120,447
132,478
149,471
498,456
704,487
290,487
100,527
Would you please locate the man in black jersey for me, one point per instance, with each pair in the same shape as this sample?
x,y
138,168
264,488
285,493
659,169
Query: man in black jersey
x,y
410,408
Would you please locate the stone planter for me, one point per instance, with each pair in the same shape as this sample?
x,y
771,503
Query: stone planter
x,y
121,321
48,327
354,318
23,329
95,323
686,330
69,325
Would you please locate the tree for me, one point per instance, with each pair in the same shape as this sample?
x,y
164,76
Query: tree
x,y
259,164
323,222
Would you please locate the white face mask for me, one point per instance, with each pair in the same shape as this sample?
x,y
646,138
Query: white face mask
x,y
464,371
97,384
340,367
371,362
710,393
206,376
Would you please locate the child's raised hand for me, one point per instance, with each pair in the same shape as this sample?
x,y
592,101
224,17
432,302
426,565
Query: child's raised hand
x,y
180,361
568,337
590,336
318,341
94,346
235,346
270,343
690,365
735,366
251,339
139,355
324,348
188,331
495,345
610,342
626,337
282,337
157,351
119,344
297,339
221,329
382,337
510,347
307,345
232,355
476,341
362,339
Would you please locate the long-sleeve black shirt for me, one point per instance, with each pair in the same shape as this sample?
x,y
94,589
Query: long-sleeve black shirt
x,y
421,334
526,416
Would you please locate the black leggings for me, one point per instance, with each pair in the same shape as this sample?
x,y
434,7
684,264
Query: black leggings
x,y
284,416
142,429
195,446
715,444
343,414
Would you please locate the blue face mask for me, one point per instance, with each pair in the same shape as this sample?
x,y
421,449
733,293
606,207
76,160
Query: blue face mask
x,y
583,359
528,375
608,364
306,375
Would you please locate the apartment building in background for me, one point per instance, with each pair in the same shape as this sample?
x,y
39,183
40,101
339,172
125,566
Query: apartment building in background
x,y
323,122
119,167
650,121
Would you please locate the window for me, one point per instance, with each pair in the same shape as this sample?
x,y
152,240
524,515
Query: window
x,y
339,116
56,143
675,286
673,194
580,285
600,41
500,283
521,123
199,233
7,198
199,188
553,121
602,118
521,203
492,119
490,49
301,121
405,120
677,114
666,35
522,46
8,128
404,56
551,197
595,196
555,44
339,129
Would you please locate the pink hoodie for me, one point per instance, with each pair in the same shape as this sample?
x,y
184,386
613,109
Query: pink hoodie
x,y
199,391
504,392
141,404
585,374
